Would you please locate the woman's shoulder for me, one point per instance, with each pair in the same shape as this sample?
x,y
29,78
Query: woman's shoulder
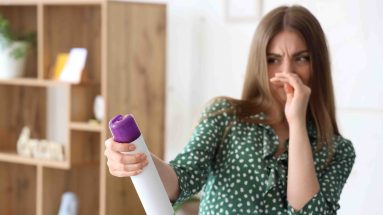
x,y
218,105
343,146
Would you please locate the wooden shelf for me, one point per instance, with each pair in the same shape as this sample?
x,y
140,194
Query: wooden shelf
x,y
84,126
126,43
32,82
72,2
18,2
51,2
13,157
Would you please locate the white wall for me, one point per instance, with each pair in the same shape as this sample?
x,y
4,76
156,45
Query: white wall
x,y
207,57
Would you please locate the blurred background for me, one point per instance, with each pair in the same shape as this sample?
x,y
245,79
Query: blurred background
x,y
207,56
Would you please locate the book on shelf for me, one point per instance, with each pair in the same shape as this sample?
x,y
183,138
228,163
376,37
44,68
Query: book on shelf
x,y
69,67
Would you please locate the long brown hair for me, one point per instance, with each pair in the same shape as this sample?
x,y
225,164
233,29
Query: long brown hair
x,y
256,94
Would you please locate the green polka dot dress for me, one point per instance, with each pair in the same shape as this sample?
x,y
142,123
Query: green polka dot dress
x,y
241,175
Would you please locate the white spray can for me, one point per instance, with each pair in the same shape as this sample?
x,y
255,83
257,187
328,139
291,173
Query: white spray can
x,y
148,183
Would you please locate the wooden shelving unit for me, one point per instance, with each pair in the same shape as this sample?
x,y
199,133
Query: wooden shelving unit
x,y
126,44
32,82
13,157
82,126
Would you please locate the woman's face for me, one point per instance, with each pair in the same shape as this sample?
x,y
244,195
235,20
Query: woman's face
x,y
287,52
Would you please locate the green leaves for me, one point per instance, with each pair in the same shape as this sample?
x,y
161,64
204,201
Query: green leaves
x,y
19,52
5,32
7,37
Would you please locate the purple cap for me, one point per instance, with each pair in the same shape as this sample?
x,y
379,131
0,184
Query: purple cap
x,y
124,129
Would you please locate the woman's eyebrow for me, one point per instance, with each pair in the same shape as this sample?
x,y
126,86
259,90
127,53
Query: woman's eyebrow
x,y
301,52
273,55
294,55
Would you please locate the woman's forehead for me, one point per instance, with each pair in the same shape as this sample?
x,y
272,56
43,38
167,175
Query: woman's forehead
x,y
286,42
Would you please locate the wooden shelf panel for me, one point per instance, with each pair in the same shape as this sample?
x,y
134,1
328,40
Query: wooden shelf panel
x,y
51,2
82,181
32,82
84,126
18,2
13,157
18,189
72,2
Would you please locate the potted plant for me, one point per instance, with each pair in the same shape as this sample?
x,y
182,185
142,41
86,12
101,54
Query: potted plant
x,y
13,50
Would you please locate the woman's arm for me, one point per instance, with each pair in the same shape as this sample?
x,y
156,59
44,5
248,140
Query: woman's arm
x,y
325,189
308,193
302,182
168,178
185,175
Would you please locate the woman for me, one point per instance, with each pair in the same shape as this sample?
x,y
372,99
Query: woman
x,y
277,150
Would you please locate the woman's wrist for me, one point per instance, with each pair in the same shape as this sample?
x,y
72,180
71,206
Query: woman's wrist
x,y
297,123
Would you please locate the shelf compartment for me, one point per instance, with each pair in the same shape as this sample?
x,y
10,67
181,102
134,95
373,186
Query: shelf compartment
x,y
82,101
29,106
18,189
83,181
23,19
19,107
84,148
70,26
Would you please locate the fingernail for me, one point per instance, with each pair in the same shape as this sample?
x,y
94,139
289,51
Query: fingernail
x,y
131,147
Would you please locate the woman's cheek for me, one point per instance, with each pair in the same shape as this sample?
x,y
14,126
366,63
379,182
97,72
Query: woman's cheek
x,y
282,94
278,93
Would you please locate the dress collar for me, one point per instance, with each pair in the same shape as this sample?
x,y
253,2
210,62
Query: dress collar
x,y
270,140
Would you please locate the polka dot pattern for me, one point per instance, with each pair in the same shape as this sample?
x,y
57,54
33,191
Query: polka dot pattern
x,y
240,175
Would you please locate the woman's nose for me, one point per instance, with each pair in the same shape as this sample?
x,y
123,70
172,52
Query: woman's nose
x,y
286,67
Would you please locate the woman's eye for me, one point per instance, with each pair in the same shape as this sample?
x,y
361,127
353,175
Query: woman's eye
x,y
303,59
272,60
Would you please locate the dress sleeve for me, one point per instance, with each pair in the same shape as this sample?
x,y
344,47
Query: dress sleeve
x,y
331,182
193,164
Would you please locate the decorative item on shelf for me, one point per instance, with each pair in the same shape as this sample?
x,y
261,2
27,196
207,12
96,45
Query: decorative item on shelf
x,y
99,107
94,122
74,66
61,60
42,149
69,204
13,50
